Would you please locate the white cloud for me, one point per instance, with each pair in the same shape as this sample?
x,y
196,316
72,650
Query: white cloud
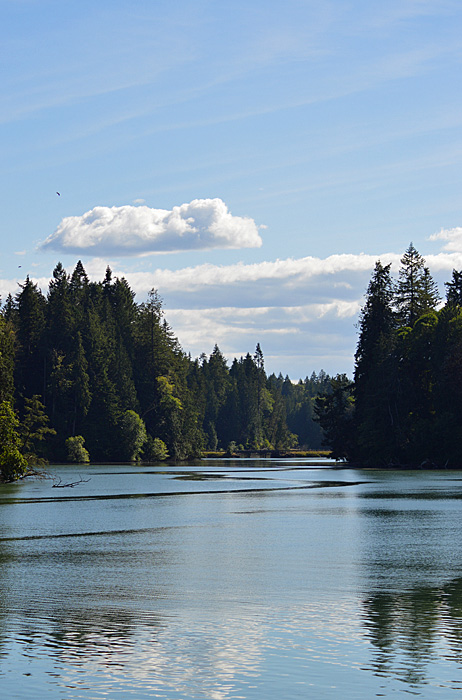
x,y
295,340
291,272
303,311
139,230
453,236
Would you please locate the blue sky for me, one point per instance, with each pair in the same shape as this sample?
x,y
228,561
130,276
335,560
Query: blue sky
x,y
250,160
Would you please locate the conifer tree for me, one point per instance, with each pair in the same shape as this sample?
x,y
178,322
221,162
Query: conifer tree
x,y
454,289
335,413
376,384
33,430
415,292
6,360
30,365
430,293
59,309
216,386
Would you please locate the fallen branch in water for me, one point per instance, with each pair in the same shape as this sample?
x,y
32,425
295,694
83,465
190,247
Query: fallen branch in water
x,y
42,474
59,484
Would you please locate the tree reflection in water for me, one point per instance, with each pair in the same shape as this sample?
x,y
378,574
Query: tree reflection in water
x,y
412,628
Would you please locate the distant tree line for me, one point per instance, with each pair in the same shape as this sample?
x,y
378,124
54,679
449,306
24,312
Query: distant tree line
x,y
404,406
86,372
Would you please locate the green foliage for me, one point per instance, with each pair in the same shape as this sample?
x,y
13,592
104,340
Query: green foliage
x,y
6,359
335,413
231,449
33,430
12,462
298,409
154,450
133,436
76,452
107,369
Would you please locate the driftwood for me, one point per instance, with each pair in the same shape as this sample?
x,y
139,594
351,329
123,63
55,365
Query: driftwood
x,y
59,484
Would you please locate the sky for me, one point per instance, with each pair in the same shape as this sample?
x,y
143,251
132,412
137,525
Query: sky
x,y
249,160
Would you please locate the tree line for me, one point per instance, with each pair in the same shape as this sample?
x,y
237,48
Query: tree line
x,y
87,372
404,405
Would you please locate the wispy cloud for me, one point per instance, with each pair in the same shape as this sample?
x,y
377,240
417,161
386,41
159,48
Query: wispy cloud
x,y
302,310
202,224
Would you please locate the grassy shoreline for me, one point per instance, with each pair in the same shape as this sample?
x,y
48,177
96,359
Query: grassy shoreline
x,y
218,454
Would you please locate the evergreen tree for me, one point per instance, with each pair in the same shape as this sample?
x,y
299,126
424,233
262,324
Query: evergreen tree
x,y
417,374
215,387
80,388
7,351
376,380
10,310
30,362
161,370
454,289
415,292
59,311
33,430
299,404
335,413
101,424
80,292
276,432
264,400
430,294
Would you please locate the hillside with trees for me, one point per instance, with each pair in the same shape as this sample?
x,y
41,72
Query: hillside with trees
x,y
88,373
404,406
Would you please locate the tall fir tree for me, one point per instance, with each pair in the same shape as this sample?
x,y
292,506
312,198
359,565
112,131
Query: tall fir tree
x,y
454,289
415,291
376,383
31,373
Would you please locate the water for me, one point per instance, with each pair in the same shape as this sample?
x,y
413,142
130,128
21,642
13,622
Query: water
x,y
248,579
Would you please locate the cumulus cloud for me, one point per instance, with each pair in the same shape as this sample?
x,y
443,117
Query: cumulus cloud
x,y
139,230
452,236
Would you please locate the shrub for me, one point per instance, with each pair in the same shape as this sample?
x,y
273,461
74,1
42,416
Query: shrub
x,y
76,451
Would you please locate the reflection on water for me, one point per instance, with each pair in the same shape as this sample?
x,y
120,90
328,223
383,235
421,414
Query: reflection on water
x,y
255,580
411,630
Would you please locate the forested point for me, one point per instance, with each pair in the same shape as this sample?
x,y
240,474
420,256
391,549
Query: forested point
x,y
86,373
404,406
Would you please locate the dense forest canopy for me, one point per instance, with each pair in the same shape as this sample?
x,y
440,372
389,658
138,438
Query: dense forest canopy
x,y
86,372
404,406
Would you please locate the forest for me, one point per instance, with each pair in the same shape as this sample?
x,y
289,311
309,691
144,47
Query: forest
x,y
404,405
86,373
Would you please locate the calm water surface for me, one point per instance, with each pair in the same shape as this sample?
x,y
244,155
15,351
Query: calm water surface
x,y
231,579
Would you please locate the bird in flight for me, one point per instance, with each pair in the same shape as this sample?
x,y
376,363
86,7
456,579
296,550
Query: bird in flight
x,y
59,194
